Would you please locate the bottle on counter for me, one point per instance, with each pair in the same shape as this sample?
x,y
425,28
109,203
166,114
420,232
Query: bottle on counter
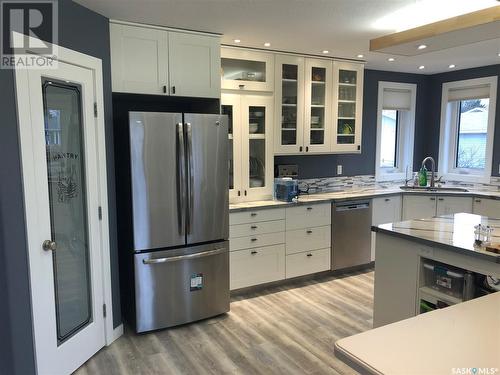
x,y
422,176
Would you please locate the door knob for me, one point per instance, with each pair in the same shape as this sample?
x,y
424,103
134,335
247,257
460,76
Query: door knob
x,y
49,245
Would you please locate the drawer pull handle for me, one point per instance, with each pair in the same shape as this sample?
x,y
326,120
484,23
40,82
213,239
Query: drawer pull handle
x,y
309,208
309,255
441,199
253,239
309,231
253,227
254,252
433,199
478,200
387,199
253,214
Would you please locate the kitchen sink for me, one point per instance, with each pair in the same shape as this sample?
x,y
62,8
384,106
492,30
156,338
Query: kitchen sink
x,y
428,188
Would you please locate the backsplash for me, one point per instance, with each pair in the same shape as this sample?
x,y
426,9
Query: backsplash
x,y
331,184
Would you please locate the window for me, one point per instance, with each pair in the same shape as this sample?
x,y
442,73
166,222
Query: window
x,y
395,131
389,139
467,125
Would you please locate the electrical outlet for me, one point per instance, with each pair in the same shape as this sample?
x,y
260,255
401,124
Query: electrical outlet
x,y
339,170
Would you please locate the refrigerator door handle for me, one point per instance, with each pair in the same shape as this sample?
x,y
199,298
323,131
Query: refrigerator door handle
x,y
189,151
181,177
184,257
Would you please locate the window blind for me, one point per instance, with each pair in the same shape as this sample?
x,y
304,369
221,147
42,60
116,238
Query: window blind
x,y
399,99
471,92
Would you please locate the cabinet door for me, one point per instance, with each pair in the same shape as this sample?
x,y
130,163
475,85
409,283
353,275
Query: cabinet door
x,y
257,158
289,119
487,207
453,205
348,107
194,65
386,210
139,59
231,106
419,207
317,119
246,70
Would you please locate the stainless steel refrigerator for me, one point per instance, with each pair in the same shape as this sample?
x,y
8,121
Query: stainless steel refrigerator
x,y
180,216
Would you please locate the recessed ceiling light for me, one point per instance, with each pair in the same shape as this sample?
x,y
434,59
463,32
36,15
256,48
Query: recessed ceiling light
x,y
391,59
422,46
451,66
421,67
237,40
267,44
360,56
326,51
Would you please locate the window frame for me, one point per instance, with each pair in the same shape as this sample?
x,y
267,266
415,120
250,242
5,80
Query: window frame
x,y
449,127
405,134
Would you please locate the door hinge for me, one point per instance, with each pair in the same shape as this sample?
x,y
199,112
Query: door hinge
x,y
99,212
104,310
95,110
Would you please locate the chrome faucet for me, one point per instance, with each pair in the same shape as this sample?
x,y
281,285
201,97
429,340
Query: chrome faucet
x,y
433,171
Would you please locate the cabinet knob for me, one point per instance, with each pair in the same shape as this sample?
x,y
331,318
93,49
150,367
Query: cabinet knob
x,y
478,200
253,239
253,252
387,199
165,89
241,86
307,148
309,231
253,227
441,199
300,149
432,199
309,208
253,214
173,90
309,255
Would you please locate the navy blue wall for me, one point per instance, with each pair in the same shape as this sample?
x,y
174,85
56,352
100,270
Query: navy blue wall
x,y
313,166
431,139
85,31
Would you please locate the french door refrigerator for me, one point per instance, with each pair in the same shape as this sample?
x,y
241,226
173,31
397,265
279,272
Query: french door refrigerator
x,y
180,216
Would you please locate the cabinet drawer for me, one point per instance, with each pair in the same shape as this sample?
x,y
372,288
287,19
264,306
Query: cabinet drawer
x,y
251,229
256,266
386,210
308,262
314,215
300,240
256,241
253,216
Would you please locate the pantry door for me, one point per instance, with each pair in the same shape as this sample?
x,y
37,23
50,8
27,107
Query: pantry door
x,y
60,152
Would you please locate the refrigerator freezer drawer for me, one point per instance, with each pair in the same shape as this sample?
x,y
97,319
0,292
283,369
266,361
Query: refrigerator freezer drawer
x,y
180,286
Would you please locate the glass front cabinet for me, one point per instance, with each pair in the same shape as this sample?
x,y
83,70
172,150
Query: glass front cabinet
x,y
289,102
348,107
250,145
246,70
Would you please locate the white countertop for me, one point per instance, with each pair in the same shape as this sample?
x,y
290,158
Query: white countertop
x,y
353,194
458,338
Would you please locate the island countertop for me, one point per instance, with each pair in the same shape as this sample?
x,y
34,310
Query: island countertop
x,y
461,339
450,232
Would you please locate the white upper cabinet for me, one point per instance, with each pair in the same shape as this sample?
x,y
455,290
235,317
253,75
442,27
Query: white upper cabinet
x,y
139,59
152,60
289,98
194,63
317,119
250,145
348,107
246,70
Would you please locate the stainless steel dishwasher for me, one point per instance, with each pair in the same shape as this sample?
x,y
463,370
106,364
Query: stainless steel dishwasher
x,y
351,234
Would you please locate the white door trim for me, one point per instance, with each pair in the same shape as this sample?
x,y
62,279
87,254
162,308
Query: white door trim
x,y
24,124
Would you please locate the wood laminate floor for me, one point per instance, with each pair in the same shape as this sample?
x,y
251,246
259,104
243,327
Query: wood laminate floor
x,y
287,329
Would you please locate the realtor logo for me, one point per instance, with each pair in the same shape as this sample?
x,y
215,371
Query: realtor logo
x,y
29,34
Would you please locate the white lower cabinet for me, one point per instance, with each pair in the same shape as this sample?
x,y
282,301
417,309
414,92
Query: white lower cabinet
x,y
452,205
487,207
256,266
273,244
384,210
308,262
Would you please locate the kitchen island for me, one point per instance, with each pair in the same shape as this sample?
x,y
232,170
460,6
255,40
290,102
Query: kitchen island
x,y
430,262
407,253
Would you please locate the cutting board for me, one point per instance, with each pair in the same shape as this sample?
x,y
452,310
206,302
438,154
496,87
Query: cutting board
x,y
493,247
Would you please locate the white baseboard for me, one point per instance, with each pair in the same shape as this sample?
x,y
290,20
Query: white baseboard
x,y
117,332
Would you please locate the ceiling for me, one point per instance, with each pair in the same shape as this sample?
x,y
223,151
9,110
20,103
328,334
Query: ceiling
x,y
343,27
